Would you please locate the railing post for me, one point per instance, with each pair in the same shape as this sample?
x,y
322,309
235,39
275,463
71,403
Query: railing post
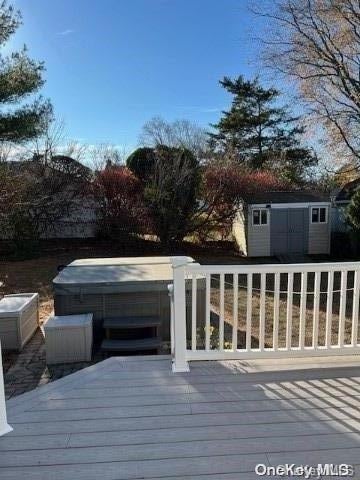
x,y
172,334
4,426
180,363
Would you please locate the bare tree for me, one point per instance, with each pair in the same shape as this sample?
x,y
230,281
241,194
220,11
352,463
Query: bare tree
x,y
103,155
45,185
317,43
178,134
55,143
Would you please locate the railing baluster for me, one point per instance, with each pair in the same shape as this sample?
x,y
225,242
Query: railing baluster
x,y
289,310
221,319
193,312
298,282
329,309
248,311
315,333
262,311
235,311
303,302
276,311
355,309
207,311
342,308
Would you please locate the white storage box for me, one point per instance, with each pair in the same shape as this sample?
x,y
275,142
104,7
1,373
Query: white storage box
x,y
68,338
19,316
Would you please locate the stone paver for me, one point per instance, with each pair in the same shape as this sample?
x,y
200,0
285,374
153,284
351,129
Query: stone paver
x,y
26,370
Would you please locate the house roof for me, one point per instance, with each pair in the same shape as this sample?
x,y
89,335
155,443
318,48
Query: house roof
x,y
59,163
348,190
295,196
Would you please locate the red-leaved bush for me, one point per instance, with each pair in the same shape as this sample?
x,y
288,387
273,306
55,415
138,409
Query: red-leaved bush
x,y
120,197
224,186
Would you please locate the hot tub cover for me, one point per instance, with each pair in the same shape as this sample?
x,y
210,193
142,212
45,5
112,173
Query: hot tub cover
x,y
86,262
118,275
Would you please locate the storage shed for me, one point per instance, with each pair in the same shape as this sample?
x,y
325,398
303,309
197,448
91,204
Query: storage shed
x,y
113,287
283,223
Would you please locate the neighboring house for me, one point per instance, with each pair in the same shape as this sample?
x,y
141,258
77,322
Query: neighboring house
x,y
81,222
78,217
280,223
341,199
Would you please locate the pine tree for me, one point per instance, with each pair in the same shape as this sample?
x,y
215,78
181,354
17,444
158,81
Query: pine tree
x,y
20,77
257,130
353,212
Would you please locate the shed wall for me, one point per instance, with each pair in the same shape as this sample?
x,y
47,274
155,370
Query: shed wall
x,y
239,231
258,238
319,237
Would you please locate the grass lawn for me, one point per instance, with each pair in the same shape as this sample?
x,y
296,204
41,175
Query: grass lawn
x,y
36,275
269,311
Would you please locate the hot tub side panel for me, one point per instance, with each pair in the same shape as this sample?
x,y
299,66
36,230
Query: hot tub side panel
x,y
114,304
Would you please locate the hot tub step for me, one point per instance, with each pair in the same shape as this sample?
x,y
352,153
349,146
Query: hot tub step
x,y
132,322
138,344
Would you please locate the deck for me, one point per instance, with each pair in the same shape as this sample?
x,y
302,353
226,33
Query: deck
x,y
132,418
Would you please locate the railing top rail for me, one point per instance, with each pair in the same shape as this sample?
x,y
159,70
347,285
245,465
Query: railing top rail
x,y
195,268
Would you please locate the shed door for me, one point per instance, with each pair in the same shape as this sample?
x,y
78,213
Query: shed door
x,y
289,231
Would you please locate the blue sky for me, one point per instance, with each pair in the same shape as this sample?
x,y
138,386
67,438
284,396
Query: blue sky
x,y
114,64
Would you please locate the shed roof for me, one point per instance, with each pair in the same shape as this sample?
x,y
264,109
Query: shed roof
x,y
295,196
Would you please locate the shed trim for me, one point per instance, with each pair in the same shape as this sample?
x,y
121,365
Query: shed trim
x,y
288,205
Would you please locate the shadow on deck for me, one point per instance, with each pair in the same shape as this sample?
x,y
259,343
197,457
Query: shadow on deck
x,y
131,417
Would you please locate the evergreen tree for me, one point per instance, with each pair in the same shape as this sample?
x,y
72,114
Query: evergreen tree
x,y
19,77
353,212
259,131
171,178
142,162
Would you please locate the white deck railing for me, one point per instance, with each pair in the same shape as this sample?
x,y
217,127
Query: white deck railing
x,y
258,311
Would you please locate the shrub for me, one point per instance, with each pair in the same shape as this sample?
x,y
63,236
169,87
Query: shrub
x,y
142,163
121,208
224,185
171,193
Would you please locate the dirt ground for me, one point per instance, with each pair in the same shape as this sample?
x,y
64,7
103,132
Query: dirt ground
x,y
24,372
36,274
282,313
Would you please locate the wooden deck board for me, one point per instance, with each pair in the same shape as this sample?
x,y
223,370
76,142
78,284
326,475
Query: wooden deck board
x,y
350,388
345,415
235,393
185,449
130,418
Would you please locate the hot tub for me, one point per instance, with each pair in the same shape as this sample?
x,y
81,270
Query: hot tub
x,y
113,287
